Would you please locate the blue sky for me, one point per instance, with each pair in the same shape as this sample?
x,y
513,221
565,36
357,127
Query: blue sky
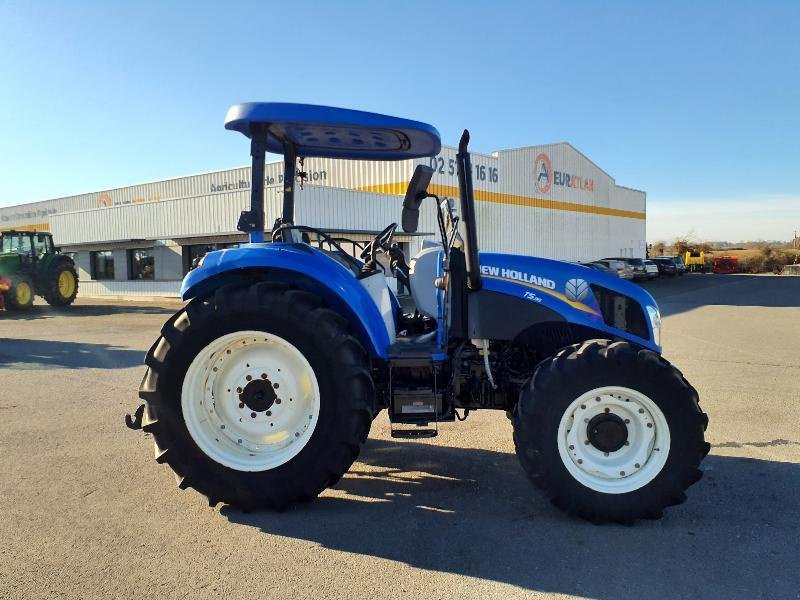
x,y
696,103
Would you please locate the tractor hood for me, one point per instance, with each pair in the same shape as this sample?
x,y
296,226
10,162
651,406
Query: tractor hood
x,y
581,295
9,263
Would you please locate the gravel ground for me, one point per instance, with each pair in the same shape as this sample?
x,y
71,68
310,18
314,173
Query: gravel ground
x,y
87,513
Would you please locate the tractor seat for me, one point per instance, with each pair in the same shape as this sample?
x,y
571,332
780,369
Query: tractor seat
x,y
422,274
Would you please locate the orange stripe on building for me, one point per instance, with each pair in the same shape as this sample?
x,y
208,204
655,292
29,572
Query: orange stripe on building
x,y
399,189
35,227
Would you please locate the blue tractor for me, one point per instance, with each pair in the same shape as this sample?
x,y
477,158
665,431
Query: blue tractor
x,y
261,390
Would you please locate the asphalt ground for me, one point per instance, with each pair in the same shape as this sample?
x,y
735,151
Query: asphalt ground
x,y
85,512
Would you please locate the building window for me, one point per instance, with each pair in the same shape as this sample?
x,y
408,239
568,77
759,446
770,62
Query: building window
x,y
102,264
141,264
193,254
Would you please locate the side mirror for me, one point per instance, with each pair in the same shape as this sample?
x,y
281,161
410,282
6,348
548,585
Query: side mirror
x,y
415,193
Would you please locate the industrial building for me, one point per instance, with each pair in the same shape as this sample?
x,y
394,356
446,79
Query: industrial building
x,y
139,241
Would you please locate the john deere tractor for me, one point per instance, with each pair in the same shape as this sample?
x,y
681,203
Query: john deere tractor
x,y
30,265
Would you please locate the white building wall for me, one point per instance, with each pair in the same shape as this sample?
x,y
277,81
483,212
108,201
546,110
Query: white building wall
x,y
83,265
168,258
120,264
121,290
591,218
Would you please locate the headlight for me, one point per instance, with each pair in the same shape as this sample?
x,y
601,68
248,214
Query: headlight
x,y
655,323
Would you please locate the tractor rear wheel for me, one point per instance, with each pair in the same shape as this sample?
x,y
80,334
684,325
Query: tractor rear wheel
x,y
258,397
20,296
61,282
610,432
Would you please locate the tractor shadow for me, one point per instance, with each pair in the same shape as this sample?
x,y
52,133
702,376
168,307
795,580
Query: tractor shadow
x,y
50,354
681,294
473,513
43,311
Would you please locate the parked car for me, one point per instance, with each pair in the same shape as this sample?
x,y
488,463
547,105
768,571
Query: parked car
x,y
618,267
637,264
679,264
666,266
680,268
651,268
598,266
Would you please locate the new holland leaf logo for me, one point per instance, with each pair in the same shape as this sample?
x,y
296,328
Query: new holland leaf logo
x,y
576,290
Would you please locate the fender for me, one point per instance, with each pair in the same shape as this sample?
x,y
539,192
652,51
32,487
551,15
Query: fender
x,y
565,289
301,265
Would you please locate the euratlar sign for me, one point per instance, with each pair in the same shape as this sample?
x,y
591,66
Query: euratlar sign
x,y
545,177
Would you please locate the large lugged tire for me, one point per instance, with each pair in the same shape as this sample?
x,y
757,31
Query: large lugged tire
x,y
20,296
61,282
258,397
610,432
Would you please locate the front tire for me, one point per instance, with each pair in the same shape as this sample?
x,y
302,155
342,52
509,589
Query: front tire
x,y
20,296
259,397
610,432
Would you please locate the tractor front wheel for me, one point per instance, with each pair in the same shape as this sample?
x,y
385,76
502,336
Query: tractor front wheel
x,y
20,296
258,397
610,432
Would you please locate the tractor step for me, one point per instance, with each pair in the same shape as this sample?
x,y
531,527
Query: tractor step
x,y
416,432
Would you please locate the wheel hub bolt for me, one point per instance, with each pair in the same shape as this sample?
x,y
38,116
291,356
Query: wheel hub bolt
x,y
263,376
608,410
253,415
587,442
241,404
238,390
641,411
249,377
650,425
277,400
269,413
637,465
580,461
571,447
583,407
622,473
627,421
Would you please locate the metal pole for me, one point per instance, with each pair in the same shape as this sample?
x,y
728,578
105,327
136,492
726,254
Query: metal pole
x,y
258,149
289,171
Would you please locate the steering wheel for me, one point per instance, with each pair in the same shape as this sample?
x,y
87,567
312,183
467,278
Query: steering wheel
x,y
382,241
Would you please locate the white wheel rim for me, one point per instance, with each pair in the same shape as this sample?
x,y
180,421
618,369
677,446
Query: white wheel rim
x,y
236,425
632,466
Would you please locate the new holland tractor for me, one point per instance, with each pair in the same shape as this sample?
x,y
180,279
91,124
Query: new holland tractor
x,y
261,390
31,265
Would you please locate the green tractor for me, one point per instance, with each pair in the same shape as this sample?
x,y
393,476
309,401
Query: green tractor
x,y
30,264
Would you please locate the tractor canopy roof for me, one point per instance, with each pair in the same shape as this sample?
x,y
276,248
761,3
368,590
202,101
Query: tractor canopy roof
x,y
334,132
